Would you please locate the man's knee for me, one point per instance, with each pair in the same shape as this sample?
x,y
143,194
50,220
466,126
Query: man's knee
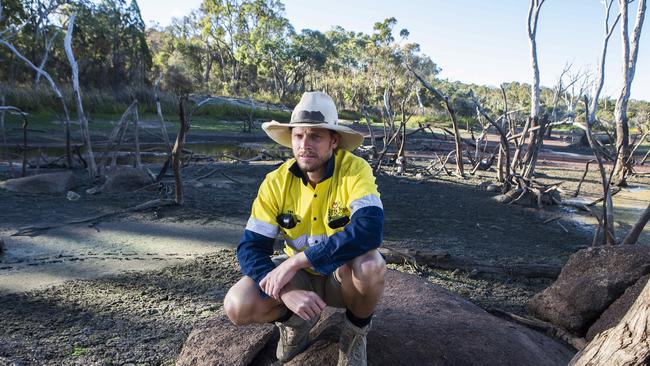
x,y
369,271
238,308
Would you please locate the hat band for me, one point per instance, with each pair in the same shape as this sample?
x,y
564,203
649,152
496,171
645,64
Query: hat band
x,y
312,123
307,117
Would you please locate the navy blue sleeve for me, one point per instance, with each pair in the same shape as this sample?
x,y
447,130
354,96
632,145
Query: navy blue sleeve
x,y
364,232
254,254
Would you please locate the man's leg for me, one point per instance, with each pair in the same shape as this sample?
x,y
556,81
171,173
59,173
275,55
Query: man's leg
x,y
362,283
244,304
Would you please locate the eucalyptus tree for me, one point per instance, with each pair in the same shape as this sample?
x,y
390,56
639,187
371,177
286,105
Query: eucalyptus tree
x,y
240,30
290,61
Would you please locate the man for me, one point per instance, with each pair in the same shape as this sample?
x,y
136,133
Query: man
x,y
326,204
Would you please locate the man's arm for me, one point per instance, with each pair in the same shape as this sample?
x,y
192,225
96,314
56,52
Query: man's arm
x,y
254,254
306,304
256,245
363,233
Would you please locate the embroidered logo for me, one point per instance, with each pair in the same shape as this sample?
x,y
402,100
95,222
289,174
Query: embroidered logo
x,y
337,210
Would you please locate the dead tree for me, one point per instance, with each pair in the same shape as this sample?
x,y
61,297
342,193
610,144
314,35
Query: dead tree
x,y
607,221
92,165
163,126
579,83
531,28
117,134
600,78
2,118
630,53
633,235
394,133
504,147
177,151
136,137
40,18
4,108
401,152
452,114
625,344
506,113
559,90
371,131
57,92
536,138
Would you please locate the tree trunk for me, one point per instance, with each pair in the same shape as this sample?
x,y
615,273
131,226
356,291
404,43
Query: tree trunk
x,y
608,214
177,152
536,139
163,126
630,53
57,92
598,85
2,120
450,110
531,27
111,145
136,136
633,235
628,343
92,166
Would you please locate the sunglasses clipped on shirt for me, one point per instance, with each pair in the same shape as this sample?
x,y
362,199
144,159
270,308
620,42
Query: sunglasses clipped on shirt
x,y
289,221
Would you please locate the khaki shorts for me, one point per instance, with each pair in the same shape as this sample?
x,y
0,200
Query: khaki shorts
x,y
327,287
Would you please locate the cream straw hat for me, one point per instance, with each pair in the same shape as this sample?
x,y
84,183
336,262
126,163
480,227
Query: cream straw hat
x,y
317,110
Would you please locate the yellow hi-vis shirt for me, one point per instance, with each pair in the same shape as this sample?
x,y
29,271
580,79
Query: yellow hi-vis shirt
x,y
350,187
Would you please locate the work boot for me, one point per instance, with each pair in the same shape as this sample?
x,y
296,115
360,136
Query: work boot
x,y
294,337
352,345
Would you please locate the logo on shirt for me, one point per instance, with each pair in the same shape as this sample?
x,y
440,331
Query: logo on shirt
x,y
337,210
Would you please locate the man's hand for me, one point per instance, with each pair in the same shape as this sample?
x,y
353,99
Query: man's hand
x,y
275,280
305,304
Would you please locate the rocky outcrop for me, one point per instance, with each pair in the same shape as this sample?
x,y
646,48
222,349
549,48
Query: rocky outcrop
x,y
59,182
416,323
589,283
615,312
219,342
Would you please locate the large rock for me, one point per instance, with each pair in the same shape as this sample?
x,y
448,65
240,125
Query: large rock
x,y
59,182
416,323
589,283
126,179
218,342
615,312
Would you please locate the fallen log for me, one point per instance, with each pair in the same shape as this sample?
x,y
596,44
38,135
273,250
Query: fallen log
x,y
443,260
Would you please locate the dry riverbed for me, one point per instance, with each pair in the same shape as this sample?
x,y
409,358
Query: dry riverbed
x,y
165,269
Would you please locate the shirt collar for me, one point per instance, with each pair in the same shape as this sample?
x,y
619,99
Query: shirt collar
x,y
295,170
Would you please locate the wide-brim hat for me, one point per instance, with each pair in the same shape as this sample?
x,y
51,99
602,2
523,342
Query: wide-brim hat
x,y
316,110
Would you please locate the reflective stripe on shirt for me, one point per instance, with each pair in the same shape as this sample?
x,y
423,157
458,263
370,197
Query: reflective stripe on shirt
x,y
304,241
365,201
261,227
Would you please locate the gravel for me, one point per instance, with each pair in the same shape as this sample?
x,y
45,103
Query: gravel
x,y
133,318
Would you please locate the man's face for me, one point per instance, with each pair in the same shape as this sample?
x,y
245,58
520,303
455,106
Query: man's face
x,y
313,147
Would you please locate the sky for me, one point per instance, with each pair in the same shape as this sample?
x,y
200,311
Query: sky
x,y
474,41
